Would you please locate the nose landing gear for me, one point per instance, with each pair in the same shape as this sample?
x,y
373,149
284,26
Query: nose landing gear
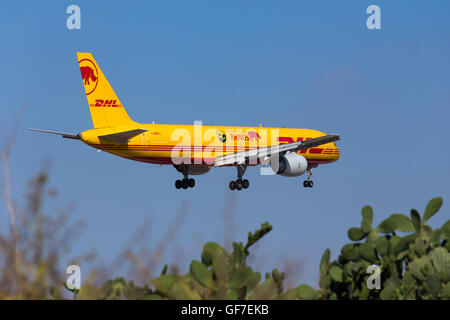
x,y
308,183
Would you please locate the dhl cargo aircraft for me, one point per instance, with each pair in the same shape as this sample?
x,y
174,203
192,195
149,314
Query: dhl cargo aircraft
x,y
195,149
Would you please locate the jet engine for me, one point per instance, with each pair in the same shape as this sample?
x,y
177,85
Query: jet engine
x,y
290,165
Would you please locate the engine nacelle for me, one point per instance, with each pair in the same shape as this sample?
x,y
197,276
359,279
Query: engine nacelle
x,y
194,170
290,165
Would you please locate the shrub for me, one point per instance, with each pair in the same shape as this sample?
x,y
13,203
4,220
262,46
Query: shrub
x,y
413,266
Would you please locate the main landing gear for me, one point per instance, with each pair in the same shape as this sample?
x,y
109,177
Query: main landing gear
x,y
240,184
308,183
186,182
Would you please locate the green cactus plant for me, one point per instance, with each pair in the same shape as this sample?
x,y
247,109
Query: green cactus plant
x,y
223,275
413,266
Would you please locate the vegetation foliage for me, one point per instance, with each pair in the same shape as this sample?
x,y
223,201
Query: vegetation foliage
x,y
413,266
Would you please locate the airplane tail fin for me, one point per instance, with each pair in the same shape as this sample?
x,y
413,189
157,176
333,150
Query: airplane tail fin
x,y
106,109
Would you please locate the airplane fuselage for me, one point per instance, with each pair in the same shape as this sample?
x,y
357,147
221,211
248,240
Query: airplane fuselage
x,y
165,144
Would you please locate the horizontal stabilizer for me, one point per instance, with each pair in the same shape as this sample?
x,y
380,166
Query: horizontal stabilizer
x,y
63,134
122,137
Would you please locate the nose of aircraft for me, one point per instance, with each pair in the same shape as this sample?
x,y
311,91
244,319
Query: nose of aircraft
x,y
336,151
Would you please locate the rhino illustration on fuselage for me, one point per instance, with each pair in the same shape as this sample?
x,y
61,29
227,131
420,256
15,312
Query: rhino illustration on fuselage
x,y
87,73
253,136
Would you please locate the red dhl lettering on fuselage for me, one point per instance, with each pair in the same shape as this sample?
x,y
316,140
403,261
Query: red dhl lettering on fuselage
x,y
284,140
105,103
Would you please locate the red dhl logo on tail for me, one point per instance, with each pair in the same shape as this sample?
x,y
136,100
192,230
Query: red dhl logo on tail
x,y
105,103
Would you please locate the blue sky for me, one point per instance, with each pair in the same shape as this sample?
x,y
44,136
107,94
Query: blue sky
x,y
310,64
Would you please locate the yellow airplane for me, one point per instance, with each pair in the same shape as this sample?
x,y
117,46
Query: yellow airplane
x,y
195,149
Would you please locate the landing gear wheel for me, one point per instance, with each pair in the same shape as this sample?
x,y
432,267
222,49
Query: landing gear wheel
x,y
186,182
239,184
308,183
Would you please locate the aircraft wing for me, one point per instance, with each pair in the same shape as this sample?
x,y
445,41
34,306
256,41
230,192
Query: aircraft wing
x,y
122,137
265,152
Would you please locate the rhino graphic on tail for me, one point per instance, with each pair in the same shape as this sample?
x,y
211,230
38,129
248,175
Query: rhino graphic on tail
x,y
87,73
